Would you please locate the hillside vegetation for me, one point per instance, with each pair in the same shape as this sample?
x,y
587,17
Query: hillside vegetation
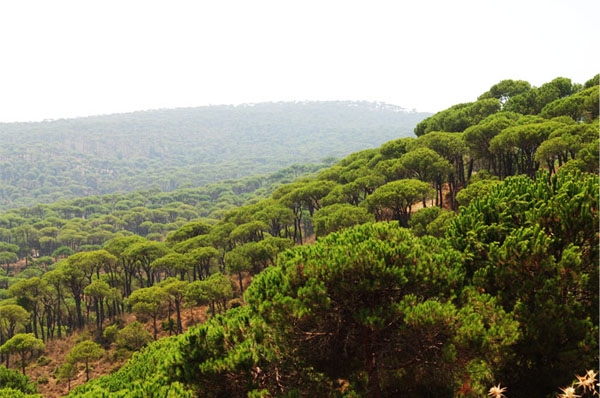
x,y
189,147
436,266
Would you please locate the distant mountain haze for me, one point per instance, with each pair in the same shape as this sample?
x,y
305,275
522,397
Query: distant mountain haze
x,y
46,161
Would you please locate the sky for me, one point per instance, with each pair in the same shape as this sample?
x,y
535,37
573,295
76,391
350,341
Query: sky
x,y
64,58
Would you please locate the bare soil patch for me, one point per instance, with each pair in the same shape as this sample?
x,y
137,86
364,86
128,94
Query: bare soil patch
x,y
44,373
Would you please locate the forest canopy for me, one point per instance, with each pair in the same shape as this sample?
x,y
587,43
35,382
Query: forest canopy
x,y
444,264
189,147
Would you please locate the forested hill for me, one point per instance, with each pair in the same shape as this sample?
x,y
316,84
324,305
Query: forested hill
x,y
460,262
166,149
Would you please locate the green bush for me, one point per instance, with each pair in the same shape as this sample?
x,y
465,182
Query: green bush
x,y
110,333
133,337
43,360
43,379
10,379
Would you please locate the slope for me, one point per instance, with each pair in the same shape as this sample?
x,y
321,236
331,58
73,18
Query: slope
x,y
188,147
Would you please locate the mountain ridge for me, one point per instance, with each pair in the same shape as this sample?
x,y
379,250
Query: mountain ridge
x,y
41,162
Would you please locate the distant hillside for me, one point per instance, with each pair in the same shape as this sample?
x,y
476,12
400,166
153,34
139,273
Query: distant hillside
x,y
166,149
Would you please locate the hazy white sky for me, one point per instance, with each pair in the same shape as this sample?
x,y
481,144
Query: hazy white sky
x,y
74,58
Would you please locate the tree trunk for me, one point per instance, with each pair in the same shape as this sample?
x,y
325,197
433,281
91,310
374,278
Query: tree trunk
x,y
58,313
80,320
49,324
373,389
178,313
241,282
155,326
34,317
23,362
469,171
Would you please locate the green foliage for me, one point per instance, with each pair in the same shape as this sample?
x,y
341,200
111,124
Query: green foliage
x,y
188,231
168,149
67,372
43,360
13,318
142,376
534,244
423,217
506,89
531,102
149,302
218,348
63,251
9,379
459,117
133,337
371,291
395,148
309,316
430,221
475,190
589,157
504,290
339,216
13,393
214,291
8,257
579,106
439,225
395,199
85,352
424,164
110,333
523,140
22,344
477,138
